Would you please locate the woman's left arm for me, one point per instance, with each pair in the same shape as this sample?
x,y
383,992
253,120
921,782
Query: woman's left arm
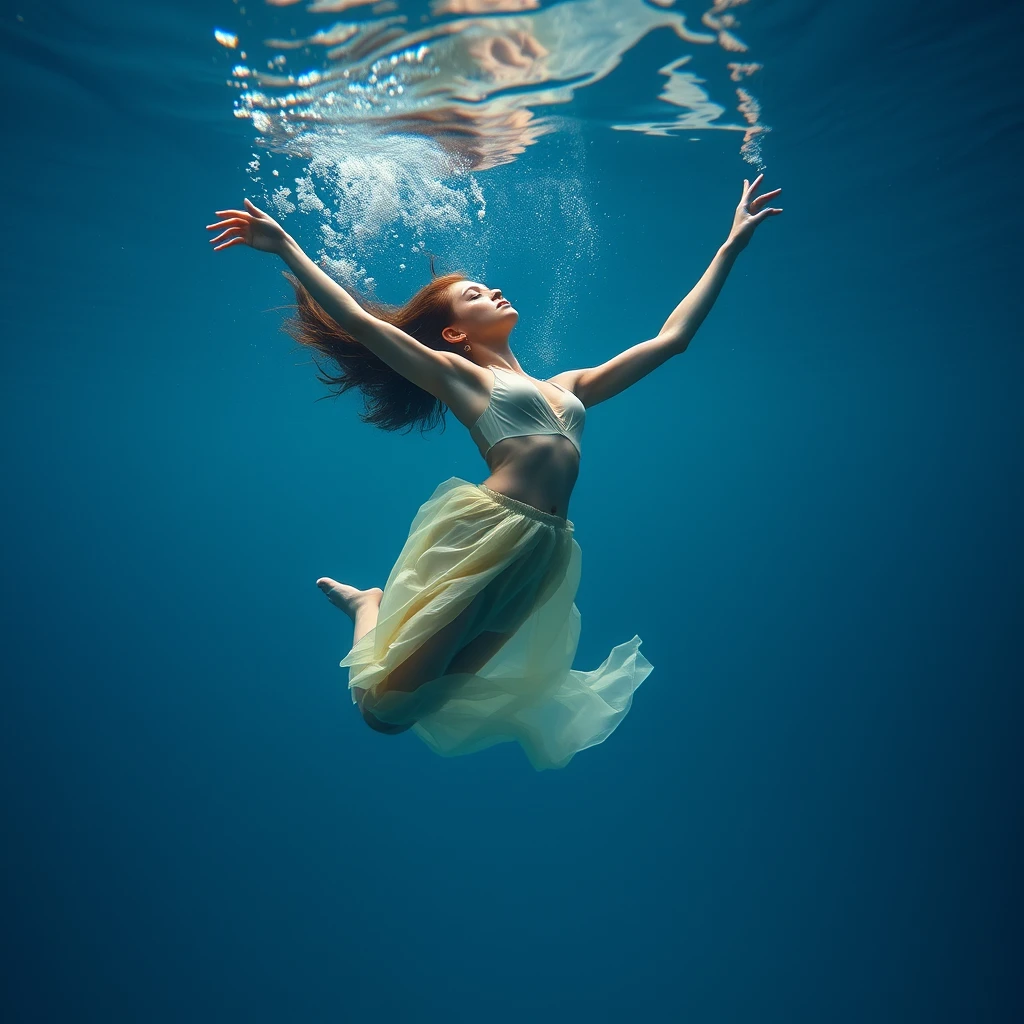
x,y
598,383
682,324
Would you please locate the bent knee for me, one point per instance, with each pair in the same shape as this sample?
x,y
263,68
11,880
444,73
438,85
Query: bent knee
x,y
386,727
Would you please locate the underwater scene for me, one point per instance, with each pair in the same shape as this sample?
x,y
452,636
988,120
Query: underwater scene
x,y
512,511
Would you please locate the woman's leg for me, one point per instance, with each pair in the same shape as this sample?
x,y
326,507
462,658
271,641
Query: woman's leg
x,y
425,664
434,656
444,652
361,606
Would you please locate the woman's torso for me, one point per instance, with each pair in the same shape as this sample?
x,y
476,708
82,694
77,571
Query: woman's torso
x,y
538,469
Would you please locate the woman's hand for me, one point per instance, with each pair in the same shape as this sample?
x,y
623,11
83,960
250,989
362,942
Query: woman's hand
x,y
251,227
751,212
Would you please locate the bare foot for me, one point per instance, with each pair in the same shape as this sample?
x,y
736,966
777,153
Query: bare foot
x,y
347,598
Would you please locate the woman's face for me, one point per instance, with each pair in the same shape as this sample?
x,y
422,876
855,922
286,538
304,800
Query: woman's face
x,y
481,312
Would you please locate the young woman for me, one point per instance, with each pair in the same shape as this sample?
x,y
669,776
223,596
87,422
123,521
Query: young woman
x,y
472,639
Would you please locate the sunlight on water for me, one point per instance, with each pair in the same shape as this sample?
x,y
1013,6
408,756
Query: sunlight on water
x,y
382,125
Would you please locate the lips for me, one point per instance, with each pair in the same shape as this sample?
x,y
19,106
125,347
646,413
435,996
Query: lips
x,y
504,302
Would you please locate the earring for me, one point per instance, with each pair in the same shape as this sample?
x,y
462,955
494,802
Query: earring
x,y
466,348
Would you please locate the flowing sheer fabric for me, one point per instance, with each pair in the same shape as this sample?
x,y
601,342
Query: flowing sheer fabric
x,y
503,569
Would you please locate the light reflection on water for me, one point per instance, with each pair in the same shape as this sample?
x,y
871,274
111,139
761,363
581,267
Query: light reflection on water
x,y
396,110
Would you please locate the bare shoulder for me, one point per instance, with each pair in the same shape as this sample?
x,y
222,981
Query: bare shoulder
x,y
463,373
466,389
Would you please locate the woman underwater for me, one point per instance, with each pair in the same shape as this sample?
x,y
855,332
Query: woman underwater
x,y
472,639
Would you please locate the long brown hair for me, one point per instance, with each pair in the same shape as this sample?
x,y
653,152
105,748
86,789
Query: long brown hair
x,y
392,401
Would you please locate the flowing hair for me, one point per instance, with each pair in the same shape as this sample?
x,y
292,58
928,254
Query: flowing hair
x,y
391,400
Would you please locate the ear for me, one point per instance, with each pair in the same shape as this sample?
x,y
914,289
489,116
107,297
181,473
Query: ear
x,y
451,335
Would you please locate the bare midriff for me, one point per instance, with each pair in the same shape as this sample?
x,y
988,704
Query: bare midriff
x,y
539,470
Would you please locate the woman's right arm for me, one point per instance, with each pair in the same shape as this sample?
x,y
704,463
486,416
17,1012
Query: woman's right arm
x,y
425,367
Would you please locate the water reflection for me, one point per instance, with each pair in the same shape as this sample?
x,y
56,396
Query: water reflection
x,y
393,110
483,86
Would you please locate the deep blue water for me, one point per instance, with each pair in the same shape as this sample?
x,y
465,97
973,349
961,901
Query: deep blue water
x,y
812,518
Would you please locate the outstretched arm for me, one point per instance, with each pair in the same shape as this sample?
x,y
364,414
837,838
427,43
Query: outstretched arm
x,y
425,367
684,320
598,383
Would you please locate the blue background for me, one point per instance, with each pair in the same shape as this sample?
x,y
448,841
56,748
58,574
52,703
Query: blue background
x,y
812,518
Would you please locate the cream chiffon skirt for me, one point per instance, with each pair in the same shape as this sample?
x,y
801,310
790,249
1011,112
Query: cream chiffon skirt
x,y
481,599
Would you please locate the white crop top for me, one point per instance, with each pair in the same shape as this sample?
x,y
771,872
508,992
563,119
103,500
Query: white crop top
x,y
518,408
